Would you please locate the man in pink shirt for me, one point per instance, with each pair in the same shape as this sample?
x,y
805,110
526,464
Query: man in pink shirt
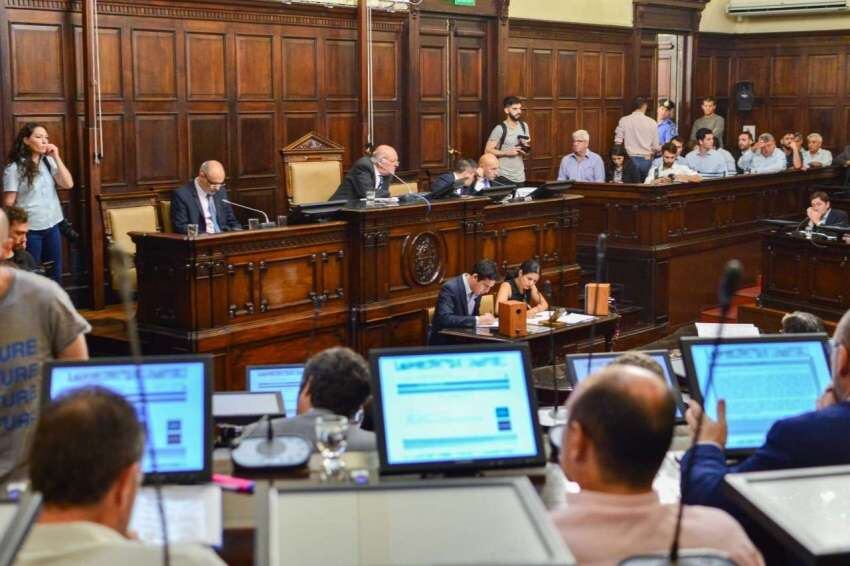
x,y
638,133
619,430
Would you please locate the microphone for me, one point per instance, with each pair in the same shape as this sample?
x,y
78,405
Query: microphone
x,y
547,291
601,246
265,224
411,197
728,285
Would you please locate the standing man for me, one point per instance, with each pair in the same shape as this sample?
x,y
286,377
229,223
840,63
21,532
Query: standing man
x,y
460,298
510,141
710,120
201,202
368,172
582,164
667,128
39,323
638,133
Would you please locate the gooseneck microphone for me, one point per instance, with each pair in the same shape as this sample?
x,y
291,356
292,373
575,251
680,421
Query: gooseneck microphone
x,y
728,285
411,196
547,291
601,243
266,224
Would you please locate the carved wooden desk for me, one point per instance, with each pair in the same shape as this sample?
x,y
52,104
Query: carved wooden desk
x,y
667,244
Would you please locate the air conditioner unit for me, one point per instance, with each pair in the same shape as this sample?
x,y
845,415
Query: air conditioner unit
x,y
784,7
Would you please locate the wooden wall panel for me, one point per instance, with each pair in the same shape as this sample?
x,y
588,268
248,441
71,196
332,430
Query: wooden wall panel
x,y
157,144
591,75
205,66
37,67
208,140
155,64
432,79
342,127
254,67
340,71
432,129
468,72
111,78
518,64
255,135
567,65
301,69
385,76
113,173
542,64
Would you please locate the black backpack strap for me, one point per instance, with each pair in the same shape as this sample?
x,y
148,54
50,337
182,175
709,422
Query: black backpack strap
x,y
504,135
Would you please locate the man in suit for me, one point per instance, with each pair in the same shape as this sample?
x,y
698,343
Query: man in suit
x,y
335,382
820,212
456,182
816,438
488,175
460,298
371,171
201,202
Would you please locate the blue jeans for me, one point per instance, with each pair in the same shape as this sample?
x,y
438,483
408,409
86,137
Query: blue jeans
x,y
46,245
643,166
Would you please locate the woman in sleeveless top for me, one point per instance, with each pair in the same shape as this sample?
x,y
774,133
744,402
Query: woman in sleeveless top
x,y
522,286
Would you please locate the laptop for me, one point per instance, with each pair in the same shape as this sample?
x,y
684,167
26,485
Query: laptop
x,y
762,378
577,370
455,409
177,392
283,378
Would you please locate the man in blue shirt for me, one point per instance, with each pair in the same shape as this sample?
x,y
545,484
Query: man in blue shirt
x,y
667,129
582,164
763,157
704,159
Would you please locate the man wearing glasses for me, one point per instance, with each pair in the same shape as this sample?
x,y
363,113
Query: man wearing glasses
x,y
369,173
201,202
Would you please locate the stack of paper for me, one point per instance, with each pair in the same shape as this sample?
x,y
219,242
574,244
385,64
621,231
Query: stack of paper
x,y
710,330
192,513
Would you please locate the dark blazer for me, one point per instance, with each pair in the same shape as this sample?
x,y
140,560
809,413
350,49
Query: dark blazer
x,y
836,217
443,186
630,172
359,179
452,310
186,209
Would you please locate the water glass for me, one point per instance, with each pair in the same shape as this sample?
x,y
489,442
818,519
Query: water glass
x,y
253,223
281,220
192,230
331,431
370,197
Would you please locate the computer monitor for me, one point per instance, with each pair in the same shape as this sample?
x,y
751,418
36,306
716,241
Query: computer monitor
x,y
577,370
762,378
17,517
455,408
307,212
243,407
177,393
285,378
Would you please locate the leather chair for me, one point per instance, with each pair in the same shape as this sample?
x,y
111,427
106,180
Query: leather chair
x,y
165,216
120,217
397,189
312,170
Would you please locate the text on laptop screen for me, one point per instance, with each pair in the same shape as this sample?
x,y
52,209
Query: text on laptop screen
x,y
600,361
761,383
286,379
174,395
450,407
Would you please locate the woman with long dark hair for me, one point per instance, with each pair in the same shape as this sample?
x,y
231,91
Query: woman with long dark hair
x,y
522,286
33,171
619,168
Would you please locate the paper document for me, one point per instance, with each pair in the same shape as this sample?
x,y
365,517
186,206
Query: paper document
x,y
710,330
192,512
494,324
568,318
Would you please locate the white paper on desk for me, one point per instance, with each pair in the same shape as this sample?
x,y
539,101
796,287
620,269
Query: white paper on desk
x,y
494,324
542,316
192,512
710,330
575,318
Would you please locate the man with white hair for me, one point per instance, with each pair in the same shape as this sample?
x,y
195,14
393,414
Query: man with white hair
x,y
816,155
370,172
582,164
763,156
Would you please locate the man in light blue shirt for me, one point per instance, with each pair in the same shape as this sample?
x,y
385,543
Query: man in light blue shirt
x,y
763,157
680,160
706,160
582,164
816,155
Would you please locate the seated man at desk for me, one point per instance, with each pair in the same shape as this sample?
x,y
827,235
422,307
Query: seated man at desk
x,y
619,430
85,460
456,182
335,382
705,159
201,202
582,164
763,157
821,213
460,299
522,286
669,170
370,172
488,174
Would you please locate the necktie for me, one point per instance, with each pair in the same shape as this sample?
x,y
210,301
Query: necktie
x,y
213,214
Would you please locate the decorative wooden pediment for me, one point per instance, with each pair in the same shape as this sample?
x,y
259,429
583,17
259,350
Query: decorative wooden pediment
x,y
312,144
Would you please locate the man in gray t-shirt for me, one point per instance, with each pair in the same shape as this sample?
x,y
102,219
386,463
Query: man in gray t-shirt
x,y
39,323
510,141
710,120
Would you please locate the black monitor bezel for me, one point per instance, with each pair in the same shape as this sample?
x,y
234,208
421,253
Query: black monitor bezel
x,y
274,366
694,386
668,366
448,466
249,417
154,478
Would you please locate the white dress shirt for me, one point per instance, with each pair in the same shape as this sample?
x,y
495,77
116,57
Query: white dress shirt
x,y
205,208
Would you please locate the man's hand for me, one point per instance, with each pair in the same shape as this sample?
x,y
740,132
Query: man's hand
x,y
662,181
513,152
712,431
827,399
757,146
485,319
813,215
815,164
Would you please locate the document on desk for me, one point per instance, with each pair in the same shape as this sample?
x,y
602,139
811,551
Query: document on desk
x,y
192,512
494,324
567,318
710,330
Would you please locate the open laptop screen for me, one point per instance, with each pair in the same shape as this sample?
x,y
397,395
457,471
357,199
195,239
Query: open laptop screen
x,y
177,395
763,379
283,378
455,407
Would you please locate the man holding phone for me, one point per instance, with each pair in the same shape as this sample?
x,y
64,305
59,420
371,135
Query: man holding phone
x,y
510,141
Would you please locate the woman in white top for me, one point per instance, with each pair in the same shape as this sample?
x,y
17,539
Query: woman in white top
x,y
33,171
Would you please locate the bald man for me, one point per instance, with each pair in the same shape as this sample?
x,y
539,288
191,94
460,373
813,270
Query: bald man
x,y
488,174
619,430
201,202
369,172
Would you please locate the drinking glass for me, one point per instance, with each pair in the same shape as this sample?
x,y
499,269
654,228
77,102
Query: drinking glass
x,y
253,223
281,220
370,197
331,431
192,230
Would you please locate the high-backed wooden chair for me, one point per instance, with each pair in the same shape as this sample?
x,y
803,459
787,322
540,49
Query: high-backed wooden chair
x,y
122,216
312,169
165,215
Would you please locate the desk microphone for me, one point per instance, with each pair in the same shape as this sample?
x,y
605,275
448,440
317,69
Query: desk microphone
x,y
411,197
547,291
266,224
601,243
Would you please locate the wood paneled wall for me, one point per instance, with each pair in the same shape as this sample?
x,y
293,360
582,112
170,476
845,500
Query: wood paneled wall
x,y
570,77
801,82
